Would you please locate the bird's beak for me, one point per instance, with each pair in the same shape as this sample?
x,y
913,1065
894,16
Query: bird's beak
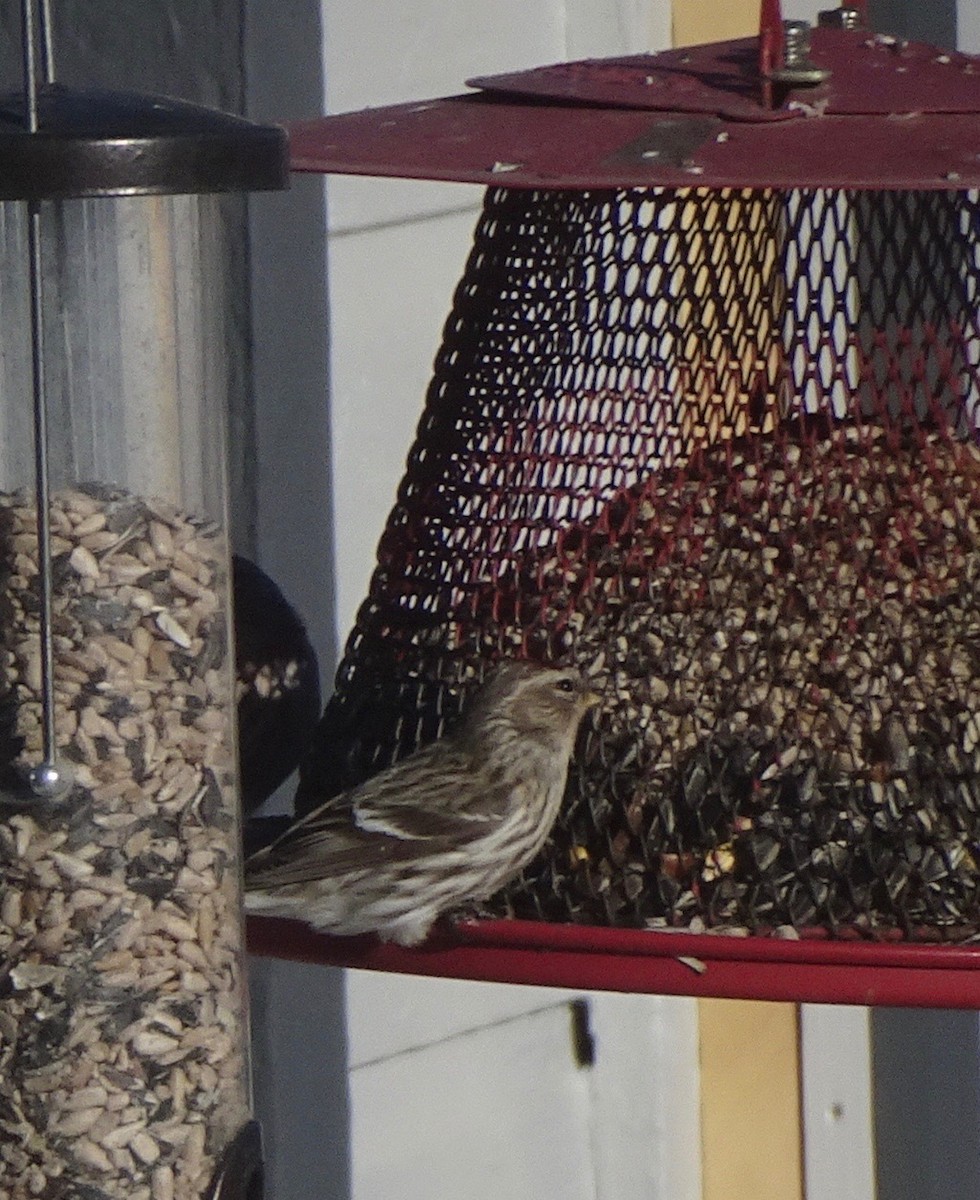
x,y
591,699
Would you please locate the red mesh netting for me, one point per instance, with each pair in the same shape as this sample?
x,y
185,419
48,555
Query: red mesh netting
x,y
719,449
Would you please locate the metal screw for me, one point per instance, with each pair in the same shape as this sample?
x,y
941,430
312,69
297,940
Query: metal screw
x,y
796,43
797,69
844,17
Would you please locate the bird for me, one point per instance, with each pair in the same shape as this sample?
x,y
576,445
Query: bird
x,y
450,824
278,684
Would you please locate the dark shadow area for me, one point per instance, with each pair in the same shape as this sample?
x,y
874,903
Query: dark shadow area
x,y
926,1104
934,22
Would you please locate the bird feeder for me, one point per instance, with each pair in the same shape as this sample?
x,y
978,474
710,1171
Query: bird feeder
x,y
704,423
123,1023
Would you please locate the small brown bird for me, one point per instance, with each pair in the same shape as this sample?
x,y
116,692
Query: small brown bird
x,y
449,824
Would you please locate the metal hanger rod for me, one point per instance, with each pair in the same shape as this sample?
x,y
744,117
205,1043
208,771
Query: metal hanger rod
x,y
46,29
45,778
30,66
41,479
36,25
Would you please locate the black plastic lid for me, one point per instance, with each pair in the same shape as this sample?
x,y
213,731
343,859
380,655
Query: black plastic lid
x,y
101,143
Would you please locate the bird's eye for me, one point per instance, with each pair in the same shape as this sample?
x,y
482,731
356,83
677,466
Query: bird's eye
x,y
565,685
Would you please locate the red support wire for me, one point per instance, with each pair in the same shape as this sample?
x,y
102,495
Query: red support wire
x,y
628,960
770,46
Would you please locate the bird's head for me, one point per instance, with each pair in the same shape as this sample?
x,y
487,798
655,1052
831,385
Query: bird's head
x,y
545,703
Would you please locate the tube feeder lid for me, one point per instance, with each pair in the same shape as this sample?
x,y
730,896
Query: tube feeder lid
x,y
93,142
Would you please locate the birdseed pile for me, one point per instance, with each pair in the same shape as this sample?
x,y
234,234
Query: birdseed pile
x,y
791,728
121,1005
719,450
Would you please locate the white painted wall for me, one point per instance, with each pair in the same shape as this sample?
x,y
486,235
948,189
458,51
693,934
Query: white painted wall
x,y
463,1089
838,1140
968,26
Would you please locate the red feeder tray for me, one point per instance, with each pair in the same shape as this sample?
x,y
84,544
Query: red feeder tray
x,y
808,971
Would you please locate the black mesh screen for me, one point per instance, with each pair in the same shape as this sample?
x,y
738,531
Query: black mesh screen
x,y
719,449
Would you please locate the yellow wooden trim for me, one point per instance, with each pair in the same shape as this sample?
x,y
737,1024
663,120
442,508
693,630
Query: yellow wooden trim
x,y
751,1124
697,21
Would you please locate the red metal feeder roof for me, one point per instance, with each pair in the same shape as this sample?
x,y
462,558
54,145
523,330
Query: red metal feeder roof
x,y
891,114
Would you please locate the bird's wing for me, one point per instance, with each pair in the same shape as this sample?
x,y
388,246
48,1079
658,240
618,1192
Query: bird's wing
x,y
423,804
428,795
321,851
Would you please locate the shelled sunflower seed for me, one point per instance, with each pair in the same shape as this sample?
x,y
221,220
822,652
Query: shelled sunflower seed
x,y
786,635
121,1003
